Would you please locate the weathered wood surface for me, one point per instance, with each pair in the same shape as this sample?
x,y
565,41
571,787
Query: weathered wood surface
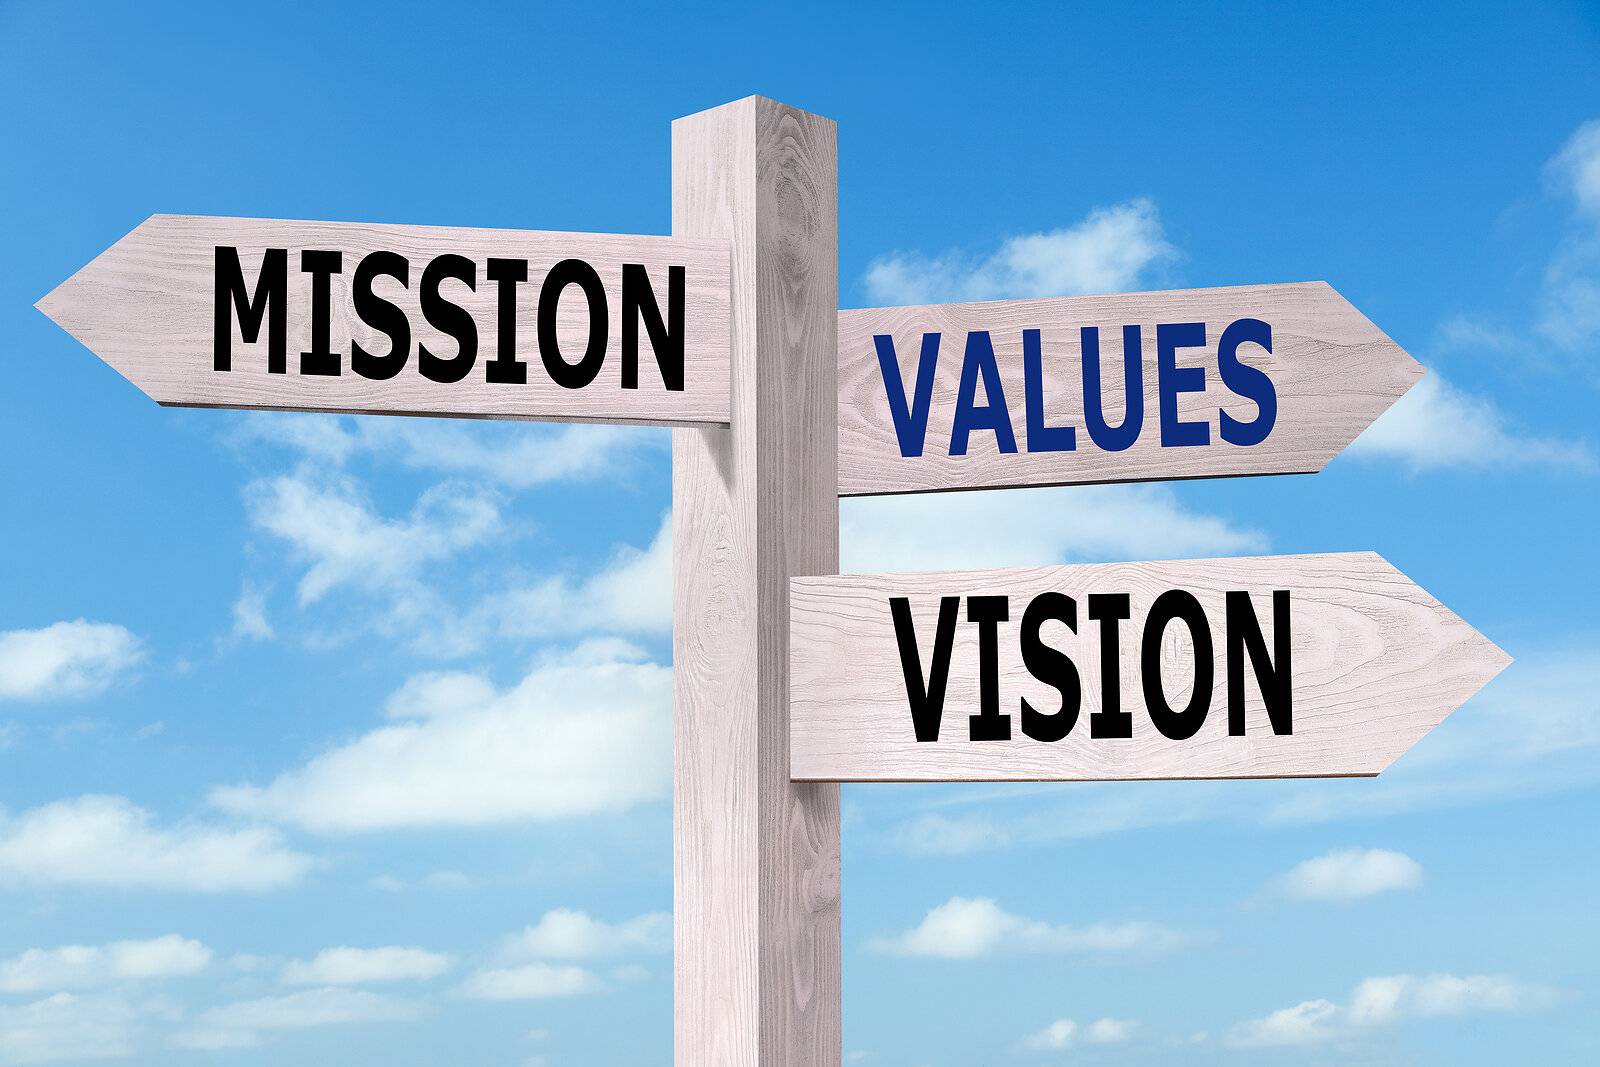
x,y
756,856
1332,370
1376,664
147,306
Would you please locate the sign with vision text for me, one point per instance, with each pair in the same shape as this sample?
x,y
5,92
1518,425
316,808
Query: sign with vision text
x,y
1263,667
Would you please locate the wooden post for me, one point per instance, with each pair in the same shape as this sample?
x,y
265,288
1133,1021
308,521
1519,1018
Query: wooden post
x,y
756,856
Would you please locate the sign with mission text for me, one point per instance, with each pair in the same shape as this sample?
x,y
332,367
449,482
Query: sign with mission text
x,y
1195,383
410,320
1264,667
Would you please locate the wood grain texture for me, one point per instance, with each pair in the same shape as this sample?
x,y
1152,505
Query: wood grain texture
x,y
1334,372
757,857
147,307
1377,663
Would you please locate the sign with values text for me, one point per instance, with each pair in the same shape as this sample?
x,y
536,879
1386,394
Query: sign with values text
x,y
1195,383
1258,667
410,320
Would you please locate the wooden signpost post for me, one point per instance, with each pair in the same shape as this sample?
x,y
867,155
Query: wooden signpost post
x,y
788,678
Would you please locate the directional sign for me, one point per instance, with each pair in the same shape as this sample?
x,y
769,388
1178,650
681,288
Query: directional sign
x,y
1266,667
410,320
1195,383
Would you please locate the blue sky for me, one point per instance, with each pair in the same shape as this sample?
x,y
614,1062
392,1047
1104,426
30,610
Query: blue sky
x,y
257,671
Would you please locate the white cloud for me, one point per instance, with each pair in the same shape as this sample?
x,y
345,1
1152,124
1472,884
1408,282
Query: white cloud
x,y
250,616
1058,1035
109,841
584,732
1350,874
242,1024
1570,315
339,541
1437,426
514,455
66,1027
1110,1031
1577,168
448,881
1064,1033
1109,251
568,934
86,966
1022,527
342,541
66,659
632,594
357,966
533,981
967,928
1391,999
1307,1023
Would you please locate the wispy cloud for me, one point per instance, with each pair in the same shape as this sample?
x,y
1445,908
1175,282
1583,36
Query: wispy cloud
x,y
587,730
1065,1033
85,966
343,541
1022,527
512,455
1350,874
532,981
1570,315
1111,250
66,1026
1436,426
65,659
570,934
345,965
1388,1000
109,841
245,1023
970,927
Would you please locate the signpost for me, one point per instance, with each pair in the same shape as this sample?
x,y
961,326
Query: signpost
x,y
1196,383
784,685
1266,667
409,320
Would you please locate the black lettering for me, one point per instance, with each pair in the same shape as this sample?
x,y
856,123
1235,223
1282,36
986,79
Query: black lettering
x,y
666,339
322,265
380,314
572,375
268,303
1109,720
925,697
448,318
1177,604
505,368
989,724
1051,666
1273,676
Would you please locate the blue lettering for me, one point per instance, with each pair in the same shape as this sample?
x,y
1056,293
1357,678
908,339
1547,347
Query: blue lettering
x,y
993,415
1246,381
1113,439
1041,438
1173,379
910,423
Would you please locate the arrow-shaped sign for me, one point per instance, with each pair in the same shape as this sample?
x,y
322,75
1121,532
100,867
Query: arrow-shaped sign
x,y
1195,383
1265,667
409,320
